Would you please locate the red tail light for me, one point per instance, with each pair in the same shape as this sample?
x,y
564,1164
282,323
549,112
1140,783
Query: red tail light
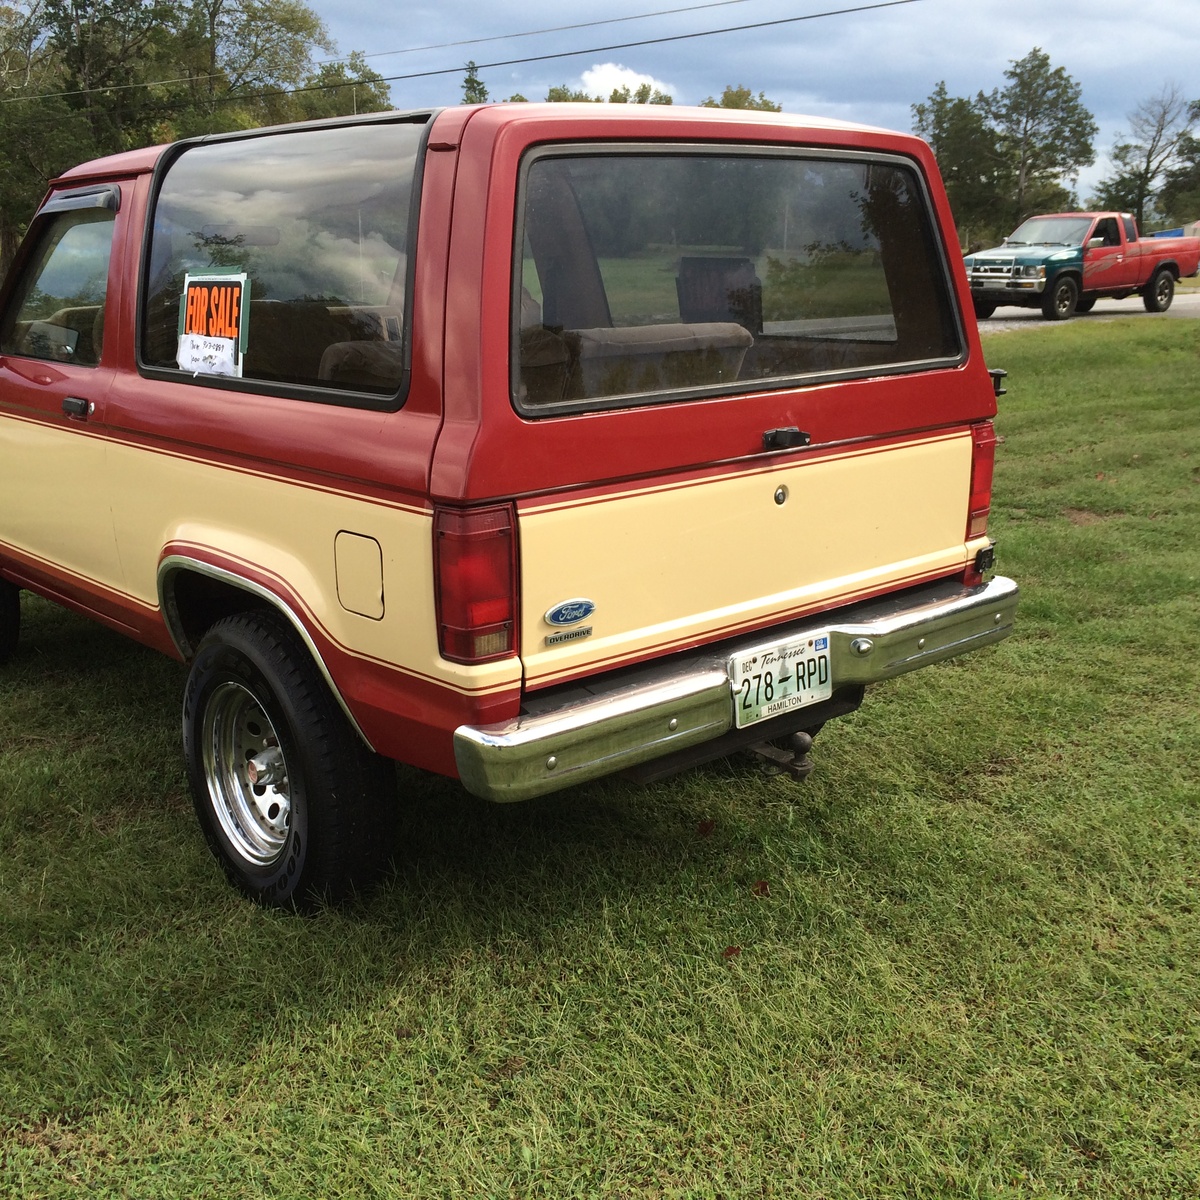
x,y
475,561
983,462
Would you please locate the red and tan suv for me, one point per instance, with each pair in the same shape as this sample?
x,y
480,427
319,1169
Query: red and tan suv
x,y
523,444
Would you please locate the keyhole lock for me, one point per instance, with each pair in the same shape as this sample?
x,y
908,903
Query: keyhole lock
x,y
781,494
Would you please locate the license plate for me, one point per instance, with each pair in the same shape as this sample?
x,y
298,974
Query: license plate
x,y
790,675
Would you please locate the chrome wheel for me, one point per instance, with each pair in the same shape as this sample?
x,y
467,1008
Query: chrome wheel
x,y
246,774
297,810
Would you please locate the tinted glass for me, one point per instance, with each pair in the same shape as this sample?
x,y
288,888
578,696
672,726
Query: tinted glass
x,y
59,308
645,273
308,232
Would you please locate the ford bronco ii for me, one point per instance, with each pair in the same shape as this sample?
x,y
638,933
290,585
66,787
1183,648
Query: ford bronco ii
x,y
523,444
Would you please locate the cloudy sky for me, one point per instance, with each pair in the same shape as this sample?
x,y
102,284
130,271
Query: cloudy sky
x,y
869,66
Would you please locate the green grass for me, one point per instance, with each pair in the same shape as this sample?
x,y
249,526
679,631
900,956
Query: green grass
x,y
967,947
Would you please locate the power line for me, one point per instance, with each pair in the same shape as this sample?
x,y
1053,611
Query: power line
x,y
125,87
242,98
658,41
504,37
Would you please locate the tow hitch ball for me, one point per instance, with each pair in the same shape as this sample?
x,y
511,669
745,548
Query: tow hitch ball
x,y
786,755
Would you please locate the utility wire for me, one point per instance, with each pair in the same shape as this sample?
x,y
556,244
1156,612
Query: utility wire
x,y
503,37
241,98
658,41
125,87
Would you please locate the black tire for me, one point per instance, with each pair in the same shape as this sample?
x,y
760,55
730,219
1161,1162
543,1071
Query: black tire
x,y
292,803
983,309
1086,303
10,619
1160,291
1060,298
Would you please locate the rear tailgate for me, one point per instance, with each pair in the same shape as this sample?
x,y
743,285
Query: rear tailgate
x,y
703,556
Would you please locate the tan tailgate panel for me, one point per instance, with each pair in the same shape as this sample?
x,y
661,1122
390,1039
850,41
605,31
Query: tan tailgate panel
x,y
669,565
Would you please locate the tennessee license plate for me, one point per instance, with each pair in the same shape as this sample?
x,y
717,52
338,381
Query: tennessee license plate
x,y
790,675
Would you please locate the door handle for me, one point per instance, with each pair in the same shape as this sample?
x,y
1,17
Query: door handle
x,y
785,439
74,406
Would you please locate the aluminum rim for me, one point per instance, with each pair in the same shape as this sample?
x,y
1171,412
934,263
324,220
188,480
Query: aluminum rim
x,y
246,775
1063,300
1162,290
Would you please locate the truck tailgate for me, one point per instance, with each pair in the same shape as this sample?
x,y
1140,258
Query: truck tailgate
x,y
705,555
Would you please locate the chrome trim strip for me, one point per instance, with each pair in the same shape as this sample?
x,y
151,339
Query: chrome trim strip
x,y
574,740
174,563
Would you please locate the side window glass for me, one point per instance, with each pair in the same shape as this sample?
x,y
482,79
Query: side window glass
x,y
58,306
284,259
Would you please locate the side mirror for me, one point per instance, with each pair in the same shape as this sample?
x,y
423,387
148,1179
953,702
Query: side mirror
x,y
1095,243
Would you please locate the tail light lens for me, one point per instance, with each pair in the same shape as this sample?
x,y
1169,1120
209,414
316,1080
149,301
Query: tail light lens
x,y
475,562
983,462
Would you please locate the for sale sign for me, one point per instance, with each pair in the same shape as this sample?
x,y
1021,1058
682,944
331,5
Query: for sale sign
x,y
214,314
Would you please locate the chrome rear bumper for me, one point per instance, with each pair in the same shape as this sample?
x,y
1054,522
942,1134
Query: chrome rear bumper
x,y
567,739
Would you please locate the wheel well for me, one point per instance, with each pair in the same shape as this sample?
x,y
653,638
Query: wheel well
x,y
193,602
194,596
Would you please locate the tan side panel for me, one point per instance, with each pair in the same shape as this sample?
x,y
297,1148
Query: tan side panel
x,y
288,531
668,566
53,497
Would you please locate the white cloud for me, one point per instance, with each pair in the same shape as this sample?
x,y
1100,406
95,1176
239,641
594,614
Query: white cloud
x,y
604,78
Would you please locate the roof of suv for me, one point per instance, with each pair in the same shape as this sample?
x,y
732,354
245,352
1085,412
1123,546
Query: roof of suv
x,y
137,162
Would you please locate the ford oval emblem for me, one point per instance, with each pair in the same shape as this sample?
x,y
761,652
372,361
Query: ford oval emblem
x,y
570,612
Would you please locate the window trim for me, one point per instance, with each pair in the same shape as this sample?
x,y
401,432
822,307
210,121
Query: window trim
x,y
780,383
105,195
341,397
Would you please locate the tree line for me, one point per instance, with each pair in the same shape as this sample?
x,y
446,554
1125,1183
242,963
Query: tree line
x,y
84,78
475,91
1018,150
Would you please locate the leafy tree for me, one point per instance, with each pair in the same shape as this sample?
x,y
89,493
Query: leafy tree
x,y
1179,200
644,93
1158,127
240,61
971,158
741,97
473,88
338,88
105,52
1046,130
565,95
83,78
39,134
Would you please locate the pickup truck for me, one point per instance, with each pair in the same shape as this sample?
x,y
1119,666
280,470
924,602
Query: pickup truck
x,y
523,444
1064,263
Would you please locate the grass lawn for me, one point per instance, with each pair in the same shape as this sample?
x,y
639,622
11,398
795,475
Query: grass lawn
x,y
960,961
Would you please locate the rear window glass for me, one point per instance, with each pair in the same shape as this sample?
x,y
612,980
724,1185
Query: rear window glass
x,y
284,259
644,273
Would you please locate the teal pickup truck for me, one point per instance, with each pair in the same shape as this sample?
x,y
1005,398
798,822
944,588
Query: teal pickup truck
x,y
1064,263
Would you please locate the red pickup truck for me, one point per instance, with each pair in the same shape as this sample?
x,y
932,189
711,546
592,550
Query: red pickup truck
x,y
1064,263
521,443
